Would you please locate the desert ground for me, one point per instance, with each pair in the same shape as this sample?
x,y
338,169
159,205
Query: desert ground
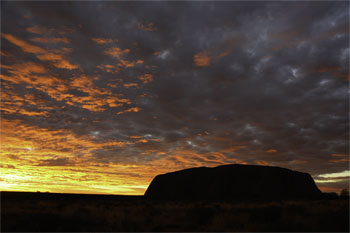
x,y
47,212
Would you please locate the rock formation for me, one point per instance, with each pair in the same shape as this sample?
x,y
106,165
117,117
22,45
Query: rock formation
x,y
233,182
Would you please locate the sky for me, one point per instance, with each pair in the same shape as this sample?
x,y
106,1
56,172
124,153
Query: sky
x,y
100,97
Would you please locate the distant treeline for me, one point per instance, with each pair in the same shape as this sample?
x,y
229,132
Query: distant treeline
x,y
344,194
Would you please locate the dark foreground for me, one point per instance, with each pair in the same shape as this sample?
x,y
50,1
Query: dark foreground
x,y
97,213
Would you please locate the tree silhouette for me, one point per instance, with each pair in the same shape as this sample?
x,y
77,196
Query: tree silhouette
x,y
344,193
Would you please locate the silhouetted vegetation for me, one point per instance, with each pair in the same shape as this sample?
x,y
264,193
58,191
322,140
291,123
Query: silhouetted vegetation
x,y
344,193
330,196
49,212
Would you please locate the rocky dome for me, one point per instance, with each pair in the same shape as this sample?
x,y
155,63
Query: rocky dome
x,y
233,182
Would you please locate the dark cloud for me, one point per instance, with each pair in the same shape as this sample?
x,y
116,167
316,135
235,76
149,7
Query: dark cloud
x,y
55,162
7,166
267,79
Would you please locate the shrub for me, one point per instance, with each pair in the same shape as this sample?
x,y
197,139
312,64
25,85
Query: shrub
x,y
344,193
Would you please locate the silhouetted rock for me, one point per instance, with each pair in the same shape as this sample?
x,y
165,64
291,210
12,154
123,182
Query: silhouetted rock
x,y
233,182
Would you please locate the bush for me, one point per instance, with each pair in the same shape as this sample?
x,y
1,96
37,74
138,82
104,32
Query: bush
x,y
344,193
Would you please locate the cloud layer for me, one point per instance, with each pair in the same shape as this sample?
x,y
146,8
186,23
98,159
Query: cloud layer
x,y
102,96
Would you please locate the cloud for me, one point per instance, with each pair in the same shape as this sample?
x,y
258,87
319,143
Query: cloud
x,y
128,85
26,47
55,162
135,109
262,162
57,59
10,166
334,71
37,30
146,78
149,27
104,40
116,52
50,40
271,151
202,59
166,89
344,160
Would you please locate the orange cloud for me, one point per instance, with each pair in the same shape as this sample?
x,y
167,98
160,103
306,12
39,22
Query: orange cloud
x,y
37,30
129,64
32,113
63,50
217,51
233,149
202,59
46,156
262,162
116,52
103,40
57,59
26,47
83,82
343,160
34,75
142,141
271,151
334,70
109,68
329,189
47,163
135,109
149,27
16,136
43,30
50,40
99,99
179,159
27,73
25,68
126,64
340,155
119,53
12,103
128,85
146,78
95,103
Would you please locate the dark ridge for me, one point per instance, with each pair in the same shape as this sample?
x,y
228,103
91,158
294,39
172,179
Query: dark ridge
x,y
233,182
9,195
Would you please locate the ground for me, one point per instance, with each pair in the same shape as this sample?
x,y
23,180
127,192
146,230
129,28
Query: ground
x,y
67,212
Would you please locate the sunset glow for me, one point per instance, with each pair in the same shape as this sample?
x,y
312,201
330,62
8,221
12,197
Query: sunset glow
x,y
100,97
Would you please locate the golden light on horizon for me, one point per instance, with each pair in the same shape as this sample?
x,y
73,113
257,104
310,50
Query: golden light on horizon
x,y
104,104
